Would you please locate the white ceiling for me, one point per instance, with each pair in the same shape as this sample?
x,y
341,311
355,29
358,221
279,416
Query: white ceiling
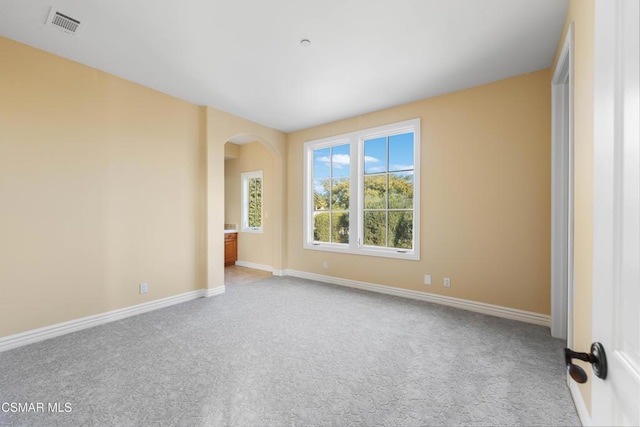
x,y
245,57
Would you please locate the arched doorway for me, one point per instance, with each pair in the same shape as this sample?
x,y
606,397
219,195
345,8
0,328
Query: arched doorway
x,y
249,202
219,127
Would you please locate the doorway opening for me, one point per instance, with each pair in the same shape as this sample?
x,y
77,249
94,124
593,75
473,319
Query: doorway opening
x,y
562,195
248,203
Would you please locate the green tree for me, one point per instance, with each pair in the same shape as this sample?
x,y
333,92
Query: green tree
x,y
401,229
340,227
388,216
335,197
384,223
321,227
339,194
255,202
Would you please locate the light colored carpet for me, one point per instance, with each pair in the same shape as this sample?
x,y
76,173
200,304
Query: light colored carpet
x,y
292,352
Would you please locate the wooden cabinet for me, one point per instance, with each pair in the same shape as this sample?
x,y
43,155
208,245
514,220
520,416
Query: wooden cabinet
x,y
230,248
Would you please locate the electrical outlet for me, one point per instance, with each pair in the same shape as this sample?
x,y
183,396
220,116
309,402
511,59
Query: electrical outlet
x,y
447,282
144,287
325,265
427,279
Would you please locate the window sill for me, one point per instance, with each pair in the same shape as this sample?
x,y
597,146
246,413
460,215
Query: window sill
x,y
253,230
365,251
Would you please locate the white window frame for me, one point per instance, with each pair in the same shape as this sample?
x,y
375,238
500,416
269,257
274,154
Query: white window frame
x,y
356,187
244,180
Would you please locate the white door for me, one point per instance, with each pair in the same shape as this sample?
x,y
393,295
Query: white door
x,y
616,262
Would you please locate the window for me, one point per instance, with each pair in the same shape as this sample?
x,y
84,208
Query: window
x,y
252,190
361,192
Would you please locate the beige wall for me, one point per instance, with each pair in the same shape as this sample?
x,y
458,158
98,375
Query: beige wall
x,y
231,151
101,188
252,247
232,189
581,13
232,194
104,184
485,196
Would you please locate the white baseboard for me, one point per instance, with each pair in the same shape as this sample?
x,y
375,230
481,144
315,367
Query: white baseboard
x,y
41,334
46,332
211,292
254,266
478,307
578,401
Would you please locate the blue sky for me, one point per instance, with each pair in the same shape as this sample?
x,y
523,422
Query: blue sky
x,y
400,154
375,158
322,162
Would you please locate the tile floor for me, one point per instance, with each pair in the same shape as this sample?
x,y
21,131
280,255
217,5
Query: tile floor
x,y
236,275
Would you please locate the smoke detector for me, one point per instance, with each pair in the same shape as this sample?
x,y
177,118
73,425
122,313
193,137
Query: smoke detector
x,y
62,21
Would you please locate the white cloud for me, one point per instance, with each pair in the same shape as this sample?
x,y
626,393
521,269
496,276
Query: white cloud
x,y
400,167
376,169
370,159
339,160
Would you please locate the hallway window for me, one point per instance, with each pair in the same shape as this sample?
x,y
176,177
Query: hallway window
x,y
252,191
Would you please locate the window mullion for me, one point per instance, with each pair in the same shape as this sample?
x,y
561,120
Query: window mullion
x,y
386,211
330,195
356,184
386,214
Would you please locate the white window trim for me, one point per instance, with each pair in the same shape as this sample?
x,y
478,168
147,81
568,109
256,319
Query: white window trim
x,y
356,186
244,182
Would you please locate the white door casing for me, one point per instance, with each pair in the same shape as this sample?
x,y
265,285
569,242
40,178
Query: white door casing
x,y
616,256
562,194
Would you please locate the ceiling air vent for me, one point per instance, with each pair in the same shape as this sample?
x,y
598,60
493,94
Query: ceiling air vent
x,y
63,22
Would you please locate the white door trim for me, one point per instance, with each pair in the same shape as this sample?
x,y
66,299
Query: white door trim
x,y
562,194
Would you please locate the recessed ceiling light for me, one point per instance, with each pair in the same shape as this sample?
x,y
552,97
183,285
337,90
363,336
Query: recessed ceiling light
x,y
305,42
